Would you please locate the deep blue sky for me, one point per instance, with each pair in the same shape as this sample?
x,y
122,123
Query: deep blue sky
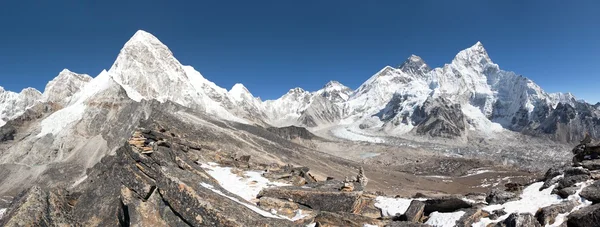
x,y
272,46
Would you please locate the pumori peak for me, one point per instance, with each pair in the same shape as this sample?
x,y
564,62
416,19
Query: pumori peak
x,y
147,69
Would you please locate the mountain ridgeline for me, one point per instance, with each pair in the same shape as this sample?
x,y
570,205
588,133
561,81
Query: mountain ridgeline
x,y
471,97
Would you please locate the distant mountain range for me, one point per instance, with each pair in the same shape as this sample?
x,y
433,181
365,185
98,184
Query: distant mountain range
x,y
471,97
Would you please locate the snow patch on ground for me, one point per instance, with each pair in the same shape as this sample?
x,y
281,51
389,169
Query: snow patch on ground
x,y
392,206
438,219
249,206
2,212
533,199
246,187
2,123
344,133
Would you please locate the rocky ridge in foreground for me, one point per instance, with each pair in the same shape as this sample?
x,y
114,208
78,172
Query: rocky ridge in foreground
x,y
159,178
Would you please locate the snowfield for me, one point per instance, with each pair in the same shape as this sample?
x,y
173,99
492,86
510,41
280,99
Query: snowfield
x,y
444,219
533,199
246,187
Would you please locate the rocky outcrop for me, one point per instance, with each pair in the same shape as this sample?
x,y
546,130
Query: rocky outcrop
x,y
568,121
440,118
322,197
158,188
38,207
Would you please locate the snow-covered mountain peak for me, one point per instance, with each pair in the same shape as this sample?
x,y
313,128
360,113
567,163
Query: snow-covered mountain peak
x,y
475,54
239,92
142,36
14,104
335,91
60,89
31,92
147,69
296,91
415,65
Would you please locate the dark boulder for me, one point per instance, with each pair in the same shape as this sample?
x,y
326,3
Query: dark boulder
x,y
471,216
498,196
593,164
547,215
585,217
415,211
569,181
592,192
445,204
496,214
573,171
566,192
519,220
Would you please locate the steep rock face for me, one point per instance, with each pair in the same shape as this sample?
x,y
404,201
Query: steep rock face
x,y
13,104
567,123
440,118
60,89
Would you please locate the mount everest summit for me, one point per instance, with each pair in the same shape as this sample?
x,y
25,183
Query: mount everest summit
x,y
470,96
